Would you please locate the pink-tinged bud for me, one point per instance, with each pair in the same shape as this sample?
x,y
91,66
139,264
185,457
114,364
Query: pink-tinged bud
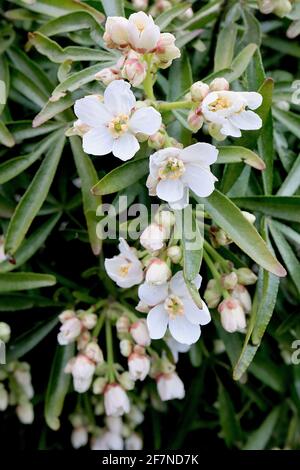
x,y
134,69
229,281
94,353
125,347
133,442
158,272
116,401
116,32
157,141
142,307
219,84
69,331
79,437
123,324
159,7
83,340
170,387
232,315
89,320
166,51
246,277
140,4
138,366
108,75
153,237
199,91
195,119
25,413
82,369
165,219
66,315
175,254
3,398
99,385
248,216
212,294
242,295
140,333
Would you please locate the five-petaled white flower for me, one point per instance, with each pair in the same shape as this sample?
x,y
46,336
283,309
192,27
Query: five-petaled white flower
x,y
170,387
125,269
172,305
173,171
115,122
228,111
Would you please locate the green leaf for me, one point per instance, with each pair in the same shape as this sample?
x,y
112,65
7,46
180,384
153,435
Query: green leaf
x,y
28,88
12,282
241,62
52,108
12,303
285,46
259,439
5,79
113,7
231,431
88,178
203,16
5,136
58,386
165,18
234,154
192,243
28,340
286,208
229,218
22,130
121,177
180,77
7,36
266,150
224,55
290,120
33,199
292,181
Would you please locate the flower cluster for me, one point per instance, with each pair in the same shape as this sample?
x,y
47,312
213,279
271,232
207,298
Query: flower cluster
x,y
284,8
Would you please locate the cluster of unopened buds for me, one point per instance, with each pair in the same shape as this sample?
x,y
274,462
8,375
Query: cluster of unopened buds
x,y
15,384
284,8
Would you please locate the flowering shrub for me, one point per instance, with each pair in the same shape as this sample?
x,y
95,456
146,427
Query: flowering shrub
x,y
129,283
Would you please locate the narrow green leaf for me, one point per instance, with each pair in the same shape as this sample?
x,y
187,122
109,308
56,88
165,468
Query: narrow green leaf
x,y
259,439
292,181
7,36
113,7
290,120
231,431
5,79
203,16
192,244
286,208
165,18
241,62
53,108
5,136
12,303
22,130
12,282
28,88
180,77
234,154
224,55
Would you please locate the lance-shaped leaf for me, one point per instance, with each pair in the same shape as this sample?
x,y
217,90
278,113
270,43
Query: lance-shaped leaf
x,y
52,108
203,16
165,18
259,439
229,422
5,136
234,154
58,385
224,55
88,178
241,62
113,7
228,216
7,36
292,181
192,243
286,208
4,82
28,88
11,282
23,130
121,177
33,199
290,120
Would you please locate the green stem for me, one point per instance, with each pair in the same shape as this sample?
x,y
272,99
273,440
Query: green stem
x,y
148,82
211,266
166,106
110,353
99,324
217,257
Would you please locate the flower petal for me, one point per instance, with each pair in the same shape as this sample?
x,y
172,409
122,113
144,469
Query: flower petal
x,y
184,331
178,285
170,190
149,37
253,99
153,295
145,120
98,141
229,129
194,314
157,321
247,120
125,147
199,179
200,153
118,98
91,111
183,202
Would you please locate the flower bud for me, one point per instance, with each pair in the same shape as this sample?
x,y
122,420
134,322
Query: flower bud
x,y
133,442
140,333
3,398
138,366
123,324
69,331
153,237
25,413
99,385
229,281
246,277
83,340
140,4
5,332
219,84
66,315
125,347
143,33
195,119
283,8
188,14
114,424
23,378
79,437
157,140
82,369
89,320
248,216
232,315
219,237
126,381
116,32
116,401
215,131
135,416
142,307
242,295
166,51
94,353
134,69
166,219
175,254
212,294
170,386
108,75
158,272
199,91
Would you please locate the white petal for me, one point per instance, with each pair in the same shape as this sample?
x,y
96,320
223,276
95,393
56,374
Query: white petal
x,y
149,37
200,153
200,180
125,147
178,285
229,129
184,331
253,99
247,120
157,321
145,120
98,141
153,295
183,202
118,98
170,190
196,315
91,112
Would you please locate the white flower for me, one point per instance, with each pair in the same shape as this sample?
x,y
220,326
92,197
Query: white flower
x,y
228,110
173,306
116,401
232,315
166,51
173,171
241,293
170,386
25,413
82,369
143,33
69,331
108,441
116,32
140,333
114,424
93,352
79,437
115,122
138,366
3,398
153,237
125,269
177,348
135,416
133,442
89,320
158,272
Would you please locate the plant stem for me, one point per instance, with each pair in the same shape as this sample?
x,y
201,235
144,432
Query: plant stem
x,y
110,353
99,324
211,266
166,106
148,82
217,257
